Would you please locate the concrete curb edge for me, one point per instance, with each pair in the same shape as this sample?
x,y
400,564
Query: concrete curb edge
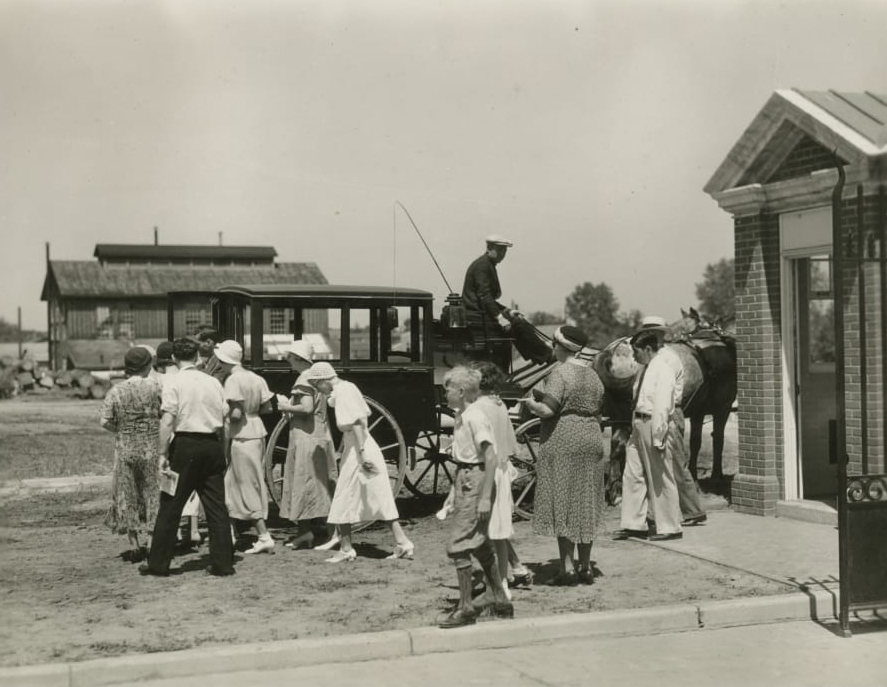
x,y
817,606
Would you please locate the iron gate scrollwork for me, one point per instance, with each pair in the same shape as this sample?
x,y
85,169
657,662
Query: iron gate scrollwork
x,y
860,262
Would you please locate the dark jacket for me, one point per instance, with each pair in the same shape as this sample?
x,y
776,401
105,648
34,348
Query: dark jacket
x,y
481,288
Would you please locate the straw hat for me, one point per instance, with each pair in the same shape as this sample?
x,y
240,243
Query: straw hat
x,y
321,370
301,349
229,352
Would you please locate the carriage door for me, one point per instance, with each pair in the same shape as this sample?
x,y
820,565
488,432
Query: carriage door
x,y
815,375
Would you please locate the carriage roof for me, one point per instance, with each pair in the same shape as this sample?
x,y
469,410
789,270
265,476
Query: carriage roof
x,y
327,291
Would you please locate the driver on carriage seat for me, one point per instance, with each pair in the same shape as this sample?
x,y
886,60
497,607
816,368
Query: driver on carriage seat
x,y
492,319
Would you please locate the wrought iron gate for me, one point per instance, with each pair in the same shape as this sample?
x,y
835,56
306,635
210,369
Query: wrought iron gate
x,y
860,318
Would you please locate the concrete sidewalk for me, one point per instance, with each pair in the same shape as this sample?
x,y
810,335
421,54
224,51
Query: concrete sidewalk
x,y
800,555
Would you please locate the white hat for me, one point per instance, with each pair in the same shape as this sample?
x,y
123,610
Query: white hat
x,y
301,349
653,321
498,240
321,370
229,352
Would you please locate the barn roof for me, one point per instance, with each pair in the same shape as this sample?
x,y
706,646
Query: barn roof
x,y
852,125
82,279
125,251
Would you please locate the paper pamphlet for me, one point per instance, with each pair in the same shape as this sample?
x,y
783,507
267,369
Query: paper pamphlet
x,y
169,480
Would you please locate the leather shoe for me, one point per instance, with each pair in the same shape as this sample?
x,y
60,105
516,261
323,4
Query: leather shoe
x,y
695,520
213,570
503,610
627,534
458,618
585,577
667,537
145,570
567,579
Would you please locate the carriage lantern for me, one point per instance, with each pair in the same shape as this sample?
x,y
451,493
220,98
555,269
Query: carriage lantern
x,y
456,311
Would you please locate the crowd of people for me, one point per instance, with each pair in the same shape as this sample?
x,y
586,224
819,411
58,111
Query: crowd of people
x,y
190,438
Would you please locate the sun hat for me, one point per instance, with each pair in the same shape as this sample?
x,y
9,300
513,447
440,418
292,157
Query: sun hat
x,y
499,240
301,349
229,352
651,321
321,370
571,338
136,359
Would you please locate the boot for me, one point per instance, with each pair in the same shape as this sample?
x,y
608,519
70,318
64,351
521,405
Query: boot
x,y
502,606
464,614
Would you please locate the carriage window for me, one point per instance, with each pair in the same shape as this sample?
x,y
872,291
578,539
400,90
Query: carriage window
x,y
278,325
405,324
242,324
363,334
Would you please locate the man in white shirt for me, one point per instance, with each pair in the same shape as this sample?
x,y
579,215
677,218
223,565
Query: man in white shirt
x,y
692,510
191,444
648,478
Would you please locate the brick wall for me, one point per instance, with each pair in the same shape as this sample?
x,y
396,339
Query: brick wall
x,y
864,345
807,156
757,486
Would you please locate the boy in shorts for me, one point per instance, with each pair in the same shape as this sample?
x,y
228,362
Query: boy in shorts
x,y
475,455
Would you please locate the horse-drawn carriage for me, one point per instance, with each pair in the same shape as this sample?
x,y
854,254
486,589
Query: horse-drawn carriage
x,y
385,340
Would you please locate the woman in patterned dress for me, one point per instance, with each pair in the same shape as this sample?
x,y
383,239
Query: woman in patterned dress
x,y
309,474
132,411
569,501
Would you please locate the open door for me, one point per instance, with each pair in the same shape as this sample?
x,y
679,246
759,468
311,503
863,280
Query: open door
x,y
815,375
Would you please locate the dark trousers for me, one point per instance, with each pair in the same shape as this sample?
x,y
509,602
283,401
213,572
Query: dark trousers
x,y
200,461
522,334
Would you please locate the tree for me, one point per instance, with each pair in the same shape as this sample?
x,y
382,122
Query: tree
x,y
541,317
595,310
9,332
717,292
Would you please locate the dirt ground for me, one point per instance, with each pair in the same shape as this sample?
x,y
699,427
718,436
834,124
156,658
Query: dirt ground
x,y
67,593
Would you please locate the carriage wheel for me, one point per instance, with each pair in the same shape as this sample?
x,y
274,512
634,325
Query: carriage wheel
x,y
432,469
383,428
523,486
274,459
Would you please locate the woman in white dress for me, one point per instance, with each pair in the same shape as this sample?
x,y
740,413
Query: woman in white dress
x,y
363,491
248,396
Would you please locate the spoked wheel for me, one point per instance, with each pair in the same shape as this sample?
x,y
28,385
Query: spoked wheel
x,y
388,435
523,486
432,469
382,427
385,430
275,458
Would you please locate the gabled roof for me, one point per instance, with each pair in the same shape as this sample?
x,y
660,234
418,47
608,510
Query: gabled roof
x,y
82,279
852,125
124,251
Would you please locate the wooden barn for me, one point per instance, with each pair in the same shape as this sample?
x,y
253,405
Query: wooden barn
x,y
97,308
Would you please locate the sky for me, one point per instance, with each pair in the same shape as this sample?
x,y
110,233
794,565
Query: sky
x,y
582,131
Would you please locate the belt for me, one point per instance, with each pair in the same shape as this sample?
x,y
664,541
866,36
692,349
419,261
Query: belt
x,y
470,466
642,416
197,435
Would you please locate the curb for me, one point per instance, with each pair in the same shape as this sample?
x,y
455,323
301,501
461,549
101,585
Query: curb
x,y
816,606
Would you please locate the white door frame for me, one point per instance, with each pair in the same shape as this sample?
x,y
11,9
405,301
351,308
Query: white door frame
x,y
801,234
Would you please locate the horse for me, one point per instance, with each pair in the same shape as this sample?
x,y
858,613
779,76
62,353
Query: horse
x,y
708,355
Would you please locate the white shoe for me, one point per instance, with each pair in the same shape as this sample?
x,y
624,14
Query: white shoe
x,y
331,544
261,546
343,556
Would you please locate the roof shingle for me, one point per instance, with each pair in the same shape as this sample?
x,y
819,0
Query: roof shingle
x,y
80,278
